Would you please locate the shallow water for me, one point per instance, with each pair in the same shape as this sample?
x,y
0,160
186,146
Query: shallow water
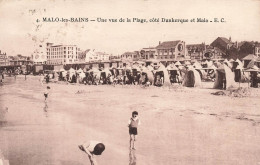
x,y
177,126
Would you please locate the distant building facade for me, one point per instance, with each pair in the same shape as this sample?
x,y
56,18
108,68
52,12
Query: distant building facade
x,y
130,56
213,53
171,50
95,56
62,54
20,60
114,57
248,47
149,53
222,43
257,49
4,61
39,55
82,56
196,51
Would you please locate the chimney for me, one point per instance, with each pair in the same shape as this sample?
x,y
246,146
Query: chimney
x,y
159,42
230,38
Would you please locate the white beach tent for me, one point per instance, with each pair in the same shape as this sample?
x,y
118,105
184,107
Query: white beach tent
x,y
224,70
62,70
149,73
231,60
172,67
192,78
72,70
227,63
187,63
163,69
149,67
79,70
197,65
209,63
178,63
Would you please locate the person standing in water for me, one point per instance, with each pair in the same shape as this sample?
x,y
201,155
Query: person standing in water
x,y
46,93
133,123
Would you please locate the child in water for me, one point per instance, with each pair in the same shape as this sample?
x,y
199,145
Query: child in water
x,y
92,148
133,123
46,92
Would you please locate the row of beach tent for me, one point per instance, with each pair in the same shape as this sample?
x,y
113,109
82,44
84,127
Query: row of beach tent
x,y
225,72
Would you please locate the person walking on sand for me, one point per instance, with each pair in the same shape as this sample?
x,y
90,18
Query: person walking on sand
x,y
92,148
46,93
133,123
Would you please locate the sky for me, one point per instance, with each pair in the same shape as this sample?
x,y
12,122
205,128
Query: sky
x,y
20,32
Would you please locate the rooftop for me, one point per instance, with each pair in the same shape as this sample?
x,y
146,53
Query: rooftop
x,y
225,40
250,57
168,44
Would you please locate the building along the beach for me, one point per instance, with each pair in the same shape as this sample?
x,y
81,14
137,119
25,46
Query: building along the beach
x,y
19,60
171,50
3,59
82,56
257,49
95,56
148,53
196,51
222,43
62,54
39,55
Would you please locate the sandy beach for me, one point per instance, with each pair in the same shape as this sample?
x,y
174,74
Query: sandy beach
x,y
180,125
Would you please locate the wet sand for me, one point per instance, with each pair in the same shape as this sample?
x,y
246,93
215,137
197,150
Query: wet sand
x,y
179,125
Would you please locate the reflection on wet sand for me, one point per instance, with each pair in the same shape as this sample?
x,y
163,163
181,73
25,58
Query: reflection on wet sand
x,y
45,109
132,157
